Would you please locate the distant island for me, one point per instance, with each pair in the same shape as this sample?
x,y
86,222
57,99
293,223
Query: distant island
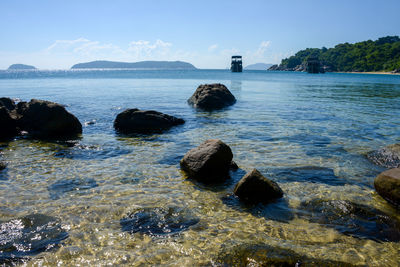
x,y
382,55
102,64
258,66
21,67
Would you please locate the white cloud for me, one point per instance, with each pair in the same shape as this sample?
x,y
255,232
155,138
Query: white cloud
x,y
212,48
65,53
144,49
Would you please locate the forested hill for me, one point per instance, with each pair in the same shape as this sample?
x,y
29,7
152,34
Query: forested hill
x,y
102,64
380,55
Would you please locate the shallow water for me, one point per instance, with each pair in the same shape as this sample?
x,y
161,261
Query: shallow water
x,y
310,133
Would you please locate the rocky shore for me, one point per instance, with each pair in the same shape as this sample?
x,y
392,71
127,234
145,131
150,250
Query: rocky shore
x,y
210,163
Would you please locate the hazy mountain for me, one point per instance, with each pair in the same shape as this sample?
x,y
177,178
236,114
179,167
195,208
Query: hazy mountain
x,y
21,67
258,66
102,64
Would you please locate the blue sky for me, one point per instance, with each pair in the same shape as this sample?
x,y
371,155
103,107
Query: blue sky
x,y
57,34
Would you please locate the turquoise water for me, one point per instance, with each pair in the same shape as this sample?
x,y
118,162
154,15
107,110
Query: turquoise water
x,y
282,124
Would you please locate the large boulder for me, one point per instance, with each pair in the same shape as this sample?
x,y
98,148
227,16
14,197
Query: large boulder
x,y
388,156
387,184
8,103
46,119
212,96
209,162
144,121
255,188
8,124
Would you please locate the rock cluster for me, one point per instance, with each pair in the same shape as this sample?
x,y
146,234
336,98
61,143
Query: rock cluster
x,y
211,96
211,161
144,121
39,118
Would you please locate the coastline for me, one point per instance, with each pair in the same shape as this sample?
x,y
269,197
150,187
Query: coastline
x,y
368,72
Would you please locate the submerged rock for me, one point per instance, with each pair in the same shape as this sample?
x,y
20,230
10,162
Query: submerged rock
x,y
209,162
211,96
265,255
255,188
28,236
68,185
144,121
158,221
388,157
46,119
311,174
387,184
352,219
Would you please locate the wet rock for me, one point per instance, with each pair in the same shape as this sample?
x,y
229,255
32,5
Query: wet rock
x,y
7,103
265,255
387,184
2,165
352,219
311,174
209,162
388,157
255,188
8,124
46,119
158,221
144,121
68,185
28,236
211,96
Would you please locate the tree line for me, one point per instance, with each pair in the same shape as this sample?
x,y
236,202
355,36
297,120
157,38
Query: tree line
x,y
380,55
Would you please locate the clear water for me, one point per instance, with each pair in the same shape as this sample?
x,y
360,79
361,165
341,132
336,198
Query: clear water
x,y
281,121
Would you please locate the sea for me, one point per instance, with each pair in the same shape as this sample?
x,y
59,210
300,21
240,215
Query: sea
x,y
123,200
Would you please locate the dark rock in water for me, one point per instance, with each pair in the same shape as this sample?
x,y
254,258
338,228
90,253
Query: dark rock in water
x,y
158,221
8,124
312,174
144,121
211,96
387,184
352,219
2,165
61,187
46,119
209,162
265,255
28,236
8,103
388,157
233,166
254,188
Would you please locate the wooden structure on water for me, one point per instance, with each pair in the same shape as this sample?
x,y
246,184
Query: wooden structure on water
x,y
236,65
